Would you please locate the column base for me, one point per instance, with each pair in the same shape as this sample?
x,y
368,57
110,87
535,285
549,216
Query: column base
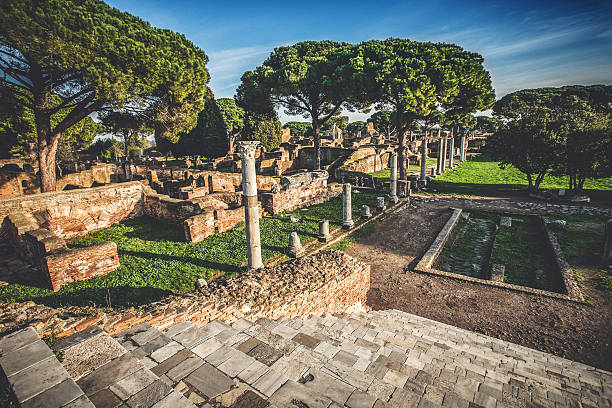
x,y
294,253
393,198
347,224
324,238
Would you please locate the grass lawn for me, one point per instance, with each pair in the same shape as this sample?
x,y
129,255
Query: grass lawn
x,y
522,249
581,244
386,173
156,260
482,176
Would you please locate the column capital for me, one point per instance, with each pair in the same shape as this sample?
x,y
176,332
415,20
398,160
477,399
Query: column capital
x,y
247,148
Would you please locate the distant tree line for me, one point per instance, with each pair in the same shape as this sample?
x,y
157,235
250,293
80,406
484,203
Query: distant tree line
x,y
563,131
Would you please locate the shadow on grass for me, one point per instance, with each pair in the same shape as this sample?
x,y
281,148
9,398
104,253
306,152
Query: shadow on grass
x,y
154,230
195,261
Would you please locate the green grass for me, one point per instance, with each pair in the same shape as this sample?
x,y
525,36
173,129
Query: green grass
x,y
604,279
581,246
522,250
460,250
386,173
156,261
483,176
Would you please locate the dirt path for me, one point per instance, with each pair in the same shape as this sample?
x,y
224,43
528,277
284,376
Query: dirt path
x,y
574,331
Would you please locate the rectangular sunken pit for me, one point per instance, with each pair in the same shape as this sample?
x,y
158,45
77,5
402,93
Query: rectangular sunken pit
x,y
515,251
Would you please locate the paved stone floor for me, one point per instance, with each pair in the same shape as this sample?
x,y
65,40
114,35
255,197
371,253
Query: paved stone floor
x,y
376,359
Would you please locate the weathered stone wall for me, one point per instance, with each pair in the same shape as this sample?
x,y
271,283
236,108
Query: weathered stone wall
x,y
81,263
328,156
302,196
366,160
77,212
100,173
169,209
327,282
16,181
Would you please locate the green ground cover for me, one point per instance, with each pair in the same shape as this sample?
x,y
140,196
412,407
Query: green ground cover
x,y
156,260
581,243
386,173
483,176
522,249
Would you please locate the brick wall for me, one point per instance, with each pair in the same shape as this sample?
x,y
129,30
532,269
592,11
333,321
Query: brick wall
x,y
77,212
81,263
302,196
294,288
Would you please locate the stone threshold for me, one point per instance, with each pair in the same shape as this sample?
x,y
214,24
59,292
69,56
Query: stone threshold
x,y
426,262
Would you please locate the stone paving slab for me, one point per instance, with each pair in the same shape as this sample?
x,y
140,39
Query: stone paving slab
x,y
377,359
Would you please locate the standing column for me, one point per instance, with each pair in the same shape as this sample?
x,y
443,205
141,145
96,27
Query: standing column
x,y
424,160
347,208
444,148
451,152
393,178
251,206
440,156
462,154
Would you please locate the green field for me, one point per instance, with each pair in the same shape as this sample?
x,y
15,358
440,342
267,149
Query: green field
x,y
156,260
483,176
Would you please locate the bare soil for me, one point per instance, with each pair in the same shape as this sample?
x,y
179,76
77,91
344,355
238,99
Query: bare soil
x,y
575,331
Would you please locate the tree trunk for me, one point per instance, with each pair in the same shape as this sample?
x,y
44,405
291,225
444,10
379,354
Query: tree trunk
x,y
530,188
47,142
317,143
46,160
401,148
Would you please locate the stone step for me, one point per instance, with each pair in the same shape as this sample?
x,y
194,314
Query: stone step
x,y
375,359
110,375
35,376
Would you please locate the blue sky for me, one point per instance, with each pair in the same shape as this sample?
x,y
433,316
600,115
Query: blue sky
x,y
526,44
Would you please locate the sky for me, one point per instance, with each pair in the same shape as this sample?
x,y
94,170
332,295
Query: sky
x,y
525,44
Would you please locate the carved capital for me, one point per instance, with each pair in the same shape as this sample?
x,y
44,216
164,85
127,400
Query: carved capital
x,y
247,148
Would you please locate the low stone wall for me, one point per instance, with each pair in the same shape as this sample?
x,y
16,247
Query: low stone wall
x,y
367,160
327,282
80,264
567,273
434,250
76,212
168,209
302,196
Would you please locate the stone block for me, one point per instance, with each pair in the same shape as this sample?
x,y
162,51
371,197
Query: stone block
x,y
209,381
56,396
497,272
200,226
81,263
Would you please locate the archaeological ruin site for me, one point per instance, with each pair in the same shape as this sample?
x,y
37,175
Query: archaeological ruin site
x,y
423,229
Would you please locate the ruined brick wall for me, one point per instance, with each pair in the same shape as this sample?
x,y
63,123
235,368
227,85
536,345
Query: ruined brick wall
x,y
366,160
302,196
100,173
80,264
328,155
169,209
294,288
77,212
16,183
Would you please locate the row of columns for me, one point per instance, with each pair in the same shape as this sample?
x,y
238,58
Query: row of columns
x,y
251,207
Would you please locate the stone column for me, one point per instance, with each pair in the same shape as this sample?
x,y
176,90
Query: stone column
x,y
424,161
444,153
295,247
251,206
451,155
393,178
347,208
440,156
462,155
606,254
323,231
